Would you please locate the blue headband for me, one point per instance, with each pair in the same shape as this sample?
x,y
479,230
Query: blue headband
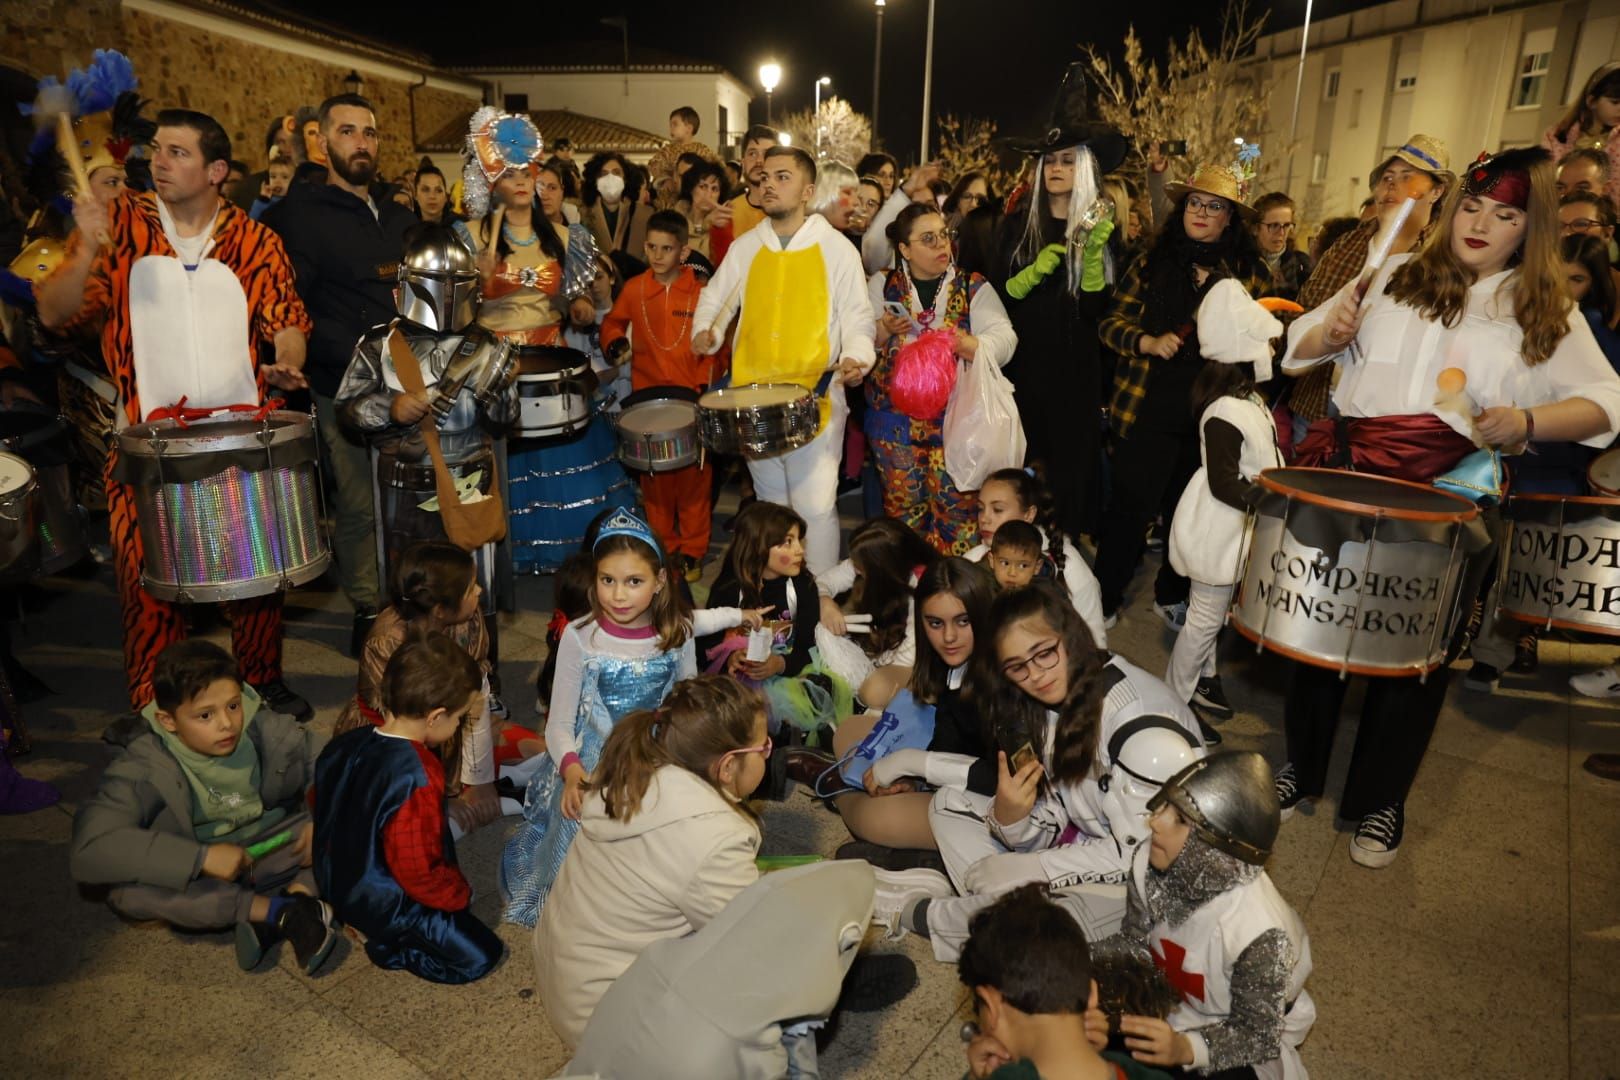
x,y
624,523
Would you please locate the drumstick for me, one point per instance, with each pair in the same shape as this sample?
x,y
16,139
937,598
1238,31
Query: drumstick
x,y
81,178
721,318
1386,243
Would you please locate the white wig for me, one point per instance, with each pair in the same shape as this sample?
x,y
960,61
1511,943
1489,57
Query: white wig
x,y
1085,191
832,179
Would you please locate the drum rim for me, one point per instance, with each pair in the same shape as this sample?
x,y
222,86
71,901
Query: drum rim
x,y
662,392
286,427
1468,511
1558,624
1271,644
722,391
1591,481
1584,500
242,589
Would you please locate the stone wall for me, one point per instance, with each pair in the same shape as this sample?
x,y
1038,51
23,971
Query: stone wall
x,y
243,85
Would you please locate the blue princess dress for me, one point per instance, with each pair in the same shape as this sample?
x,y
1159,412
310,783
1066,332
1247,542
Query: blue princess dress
x,y
604,673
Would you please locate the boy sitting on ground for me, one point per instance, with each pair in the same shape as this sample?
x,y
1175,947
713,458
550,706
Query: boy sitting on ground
x,y
1016,557
1034,1001
174,824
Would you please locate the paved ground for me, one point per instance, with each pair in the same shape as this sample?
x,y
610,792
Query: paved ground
x,y
1484,951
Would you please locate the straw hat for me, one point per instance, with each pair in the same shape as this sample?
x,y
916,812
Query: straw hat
x,y
1424,153
1217,180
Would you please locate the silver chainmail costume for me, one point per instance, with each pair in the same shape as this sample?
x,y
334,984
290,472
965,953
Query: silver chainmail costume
x,y
1252,1033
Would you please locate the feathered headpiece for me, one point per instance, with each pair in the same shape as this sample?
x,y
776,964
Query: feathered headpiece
x,y
106,109
497,143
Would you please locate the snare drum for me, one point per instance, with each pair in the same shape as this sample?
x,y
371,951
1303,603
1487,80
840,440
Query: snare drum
x,y
1604,474
758,420
41,437
1356,573
555,385
228,506
658,429
1562,565
19,511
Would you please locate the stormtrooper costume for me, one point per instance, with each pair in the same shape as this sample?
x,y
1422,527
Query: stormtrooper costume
x,y
1231,947
1079,837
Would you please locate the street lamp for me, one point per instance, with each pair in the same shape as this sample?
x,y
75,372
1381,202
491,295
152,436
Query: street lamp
x,y
825,80
785,138
352,82
877,70
770,77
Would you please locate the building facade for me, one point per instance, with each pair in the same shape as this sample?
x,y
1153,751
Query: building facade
x,y
1477,74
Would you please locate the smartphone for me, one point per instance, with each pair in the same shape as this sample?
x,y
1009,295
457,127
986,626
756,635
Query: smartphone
x,y
1174,148
896,308
1020,758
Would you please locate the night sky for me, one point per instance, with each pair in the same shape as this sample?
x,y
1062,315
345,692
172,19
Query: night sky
x,y
996,58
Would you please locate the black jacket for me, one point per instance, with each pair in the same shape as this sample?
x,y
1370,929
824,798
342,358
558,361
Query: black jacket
x,y
345,260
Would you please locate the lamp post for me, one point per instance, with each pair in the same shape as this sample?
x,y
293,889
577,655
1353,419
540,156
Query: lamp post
x,y
352,82
770,77
1299,84
877,71
928,82
825,80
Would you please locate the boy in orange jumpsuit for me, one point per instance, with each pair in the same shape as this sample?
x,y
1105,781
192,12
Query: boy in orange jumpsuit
x,y
655,309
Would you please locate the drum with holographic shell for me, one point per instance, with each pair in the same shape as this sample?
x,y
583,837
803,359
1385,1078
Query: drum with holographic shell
x,y
229,505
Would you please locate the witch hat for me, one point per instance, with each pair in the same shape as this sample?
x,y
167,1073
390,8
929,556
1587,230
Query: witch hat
x,y
1073,125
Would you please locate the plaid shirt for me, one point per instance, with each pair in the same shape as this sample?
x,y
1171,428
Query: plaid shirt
x,y
1121,330
1340,263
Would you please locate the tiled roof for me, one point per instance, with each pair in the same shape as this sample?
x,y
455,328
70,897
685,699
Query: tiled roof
x,y
589,134
271,16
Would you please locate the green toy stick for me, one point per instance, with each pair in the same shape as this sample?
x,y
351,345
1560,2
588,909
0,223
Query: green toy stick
x,y
767,863
266,846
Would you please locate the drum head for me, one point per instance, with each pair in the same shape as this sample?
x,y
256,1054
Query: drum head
x,y
658,417
15,473
1365,494
1604,472
753,396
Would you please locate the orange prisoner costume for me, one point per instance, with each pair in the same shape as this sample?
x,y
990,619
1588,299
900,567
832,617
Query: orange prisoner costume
x,y
659,321
140,288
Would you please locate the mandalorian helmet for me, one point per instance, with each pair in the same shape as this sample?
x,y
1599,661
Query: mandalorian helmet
x,y
1230,799
438,280
1142,754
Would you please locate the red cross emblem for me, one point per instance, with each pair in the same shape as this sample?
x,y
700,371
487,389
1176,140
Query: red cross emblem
x,y
1189,984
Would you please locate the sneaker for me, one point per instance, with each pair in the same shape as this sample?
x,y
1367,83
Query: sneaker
x,y
1289,796
363,621
1209,696
692,569
1110,621
278,697
1525,658
1482,677
897,888
1378,837
498,709
307,923
1210,735
1155,536
251,942
1174,615
1602,683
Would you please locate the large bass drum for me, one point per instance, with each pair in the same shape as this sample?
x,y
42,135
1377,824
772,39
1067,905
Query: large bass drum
x,y
229,506
42,438
1356,573
1562,564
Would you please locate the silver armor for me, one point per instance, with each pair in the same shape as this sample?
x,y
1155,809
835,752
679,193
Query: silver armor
x,y
1230,799
438,281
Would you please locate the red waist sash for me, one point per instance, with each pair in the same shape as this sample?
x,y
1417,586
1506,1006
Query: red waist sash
x,y
1414,447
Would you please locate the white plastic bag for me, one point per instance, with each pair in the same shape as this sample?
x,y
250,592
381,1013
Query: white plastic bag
x,y
982,431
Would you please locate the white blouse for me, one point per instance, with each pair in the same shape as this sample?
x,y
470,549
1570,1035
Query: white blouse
x,y
1390,367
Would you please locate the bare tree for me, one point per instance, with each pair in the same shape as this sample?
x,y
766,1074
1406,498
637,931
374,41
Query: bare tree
x,y
846,135
1208,96
968,144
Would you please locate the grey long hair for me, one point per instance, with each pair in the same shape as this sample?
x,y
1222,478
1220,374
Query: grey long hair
x,y
1087,187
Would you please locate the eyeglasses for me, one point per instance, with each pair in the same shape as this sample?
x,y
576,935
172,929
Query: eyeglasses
x,y
1043,660
1209,206
1580,225
1277,226
766,749
937,239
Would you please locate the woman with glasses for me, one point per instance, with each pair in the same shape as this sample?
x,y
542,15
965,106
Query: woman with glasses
x,y
1059,708
1274,233
1151,328
926,292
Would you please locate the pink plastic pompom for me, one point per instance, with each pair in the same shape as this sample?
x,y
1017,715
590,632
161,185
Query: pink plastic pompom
x,y
925,375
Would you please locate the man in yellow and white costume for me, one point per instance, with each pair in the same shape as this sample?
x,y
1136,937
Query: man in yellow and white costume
x,y
804,313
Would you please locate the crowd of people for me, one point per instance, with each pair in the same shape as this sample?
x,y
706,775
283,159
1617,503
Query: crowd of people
x,y
1050,816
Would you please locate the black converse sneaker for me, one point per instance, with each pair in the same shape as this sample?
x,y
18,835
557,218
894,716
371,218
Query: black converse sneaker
x,y
1378,837
1288,793
1209,696
307,924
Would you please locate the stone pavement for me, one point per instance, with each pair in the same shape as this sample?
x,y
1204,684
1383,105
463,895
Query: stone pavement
x,y
1484,951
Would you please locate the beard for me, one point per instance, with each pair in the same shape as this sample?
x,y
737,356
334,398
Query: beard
x,y
356,169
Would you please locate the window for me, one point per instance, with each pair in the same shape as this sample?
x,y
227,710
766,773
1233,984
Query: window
x,y
515,103
1406,82
1355,109
724,138
1530,84
1330,86
1319,164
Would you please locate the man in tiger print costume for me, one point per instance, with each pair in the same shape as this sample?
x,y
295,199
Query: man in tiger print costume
x,y
168,289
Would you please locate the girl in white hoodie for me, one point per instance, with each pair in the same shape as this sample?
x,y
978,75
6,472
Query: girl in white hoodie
x,y
665,842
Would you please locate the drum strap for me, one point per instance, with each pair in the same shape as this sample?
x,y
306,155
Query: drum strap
x,y
468,525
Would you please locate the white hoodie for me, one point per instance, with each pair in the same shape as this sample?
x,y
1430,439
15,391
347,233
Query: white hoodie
x,y
665,873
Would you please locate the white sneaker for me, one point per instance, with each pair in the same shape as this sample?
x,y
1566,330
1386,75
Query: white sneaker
x,y
1174,615
1602,683
897,888
1110,621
